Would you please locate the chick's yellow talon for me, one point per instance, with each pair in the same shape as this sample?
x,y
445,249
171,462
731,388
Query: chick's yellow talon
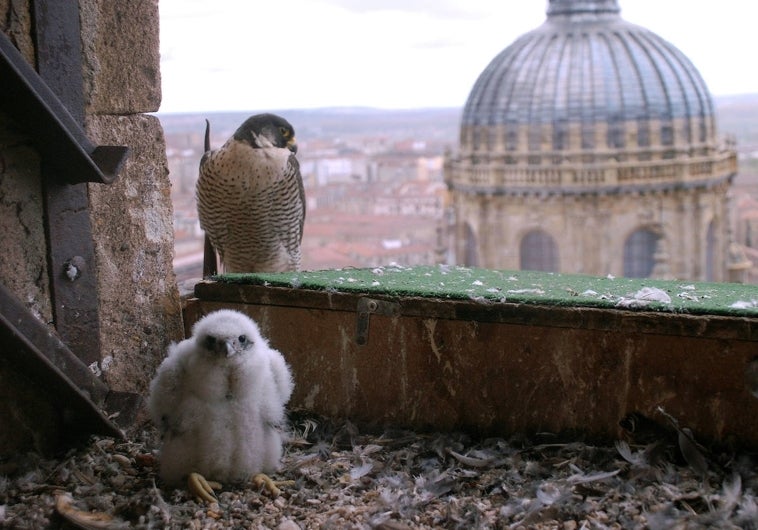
x,y
261,480
201,488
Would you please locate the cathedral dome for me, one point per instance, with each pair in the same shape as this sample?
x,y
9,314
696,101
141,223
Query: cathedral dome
x,y
589,146
588,82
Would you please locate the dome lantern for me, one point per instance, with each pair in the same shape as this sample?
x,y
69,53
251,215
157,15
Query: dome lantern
x,y
574,7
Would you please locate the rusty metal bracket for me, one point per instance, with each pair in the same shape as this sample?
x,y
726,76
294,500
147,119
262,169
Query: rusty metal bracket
x,y
67,215
44,358
367,306
28,99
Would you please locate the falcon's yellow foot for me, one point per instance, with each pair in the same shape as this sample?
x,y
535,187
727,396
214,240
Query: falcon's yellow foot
x,y
202,489
261,480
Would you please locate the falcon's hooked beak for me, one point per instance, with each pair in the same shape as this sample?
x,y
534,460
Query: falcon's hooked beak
x,y
226,347
292,145
232,347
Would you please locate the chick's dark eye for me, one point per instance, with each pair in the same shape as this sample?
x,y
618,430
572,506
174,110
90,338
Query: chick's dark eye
x,y
209,342
242,339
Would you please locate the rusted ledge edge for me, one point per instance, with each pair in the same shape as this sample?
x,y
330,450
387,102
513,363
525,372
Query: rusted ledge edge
x,y
638,320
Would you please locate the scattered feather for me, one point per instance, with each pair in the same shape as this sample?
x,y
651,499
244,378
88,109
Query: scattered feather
x,y
623,449
87,520
631,302
549,493
581,478
342,477
470,461
525,291
653,294
361,471
731,493
691,453
687,296
742,304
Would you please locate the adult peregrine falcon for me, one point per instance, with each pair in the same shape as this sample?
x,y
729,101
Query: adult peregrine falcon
x,y
250,197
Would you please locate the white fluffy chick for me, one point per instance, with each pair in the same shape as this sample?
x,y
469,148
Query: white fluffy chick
x,y
218,399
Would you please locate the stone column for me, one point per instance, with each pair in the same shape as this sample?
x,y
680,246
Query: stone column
x,y
132,219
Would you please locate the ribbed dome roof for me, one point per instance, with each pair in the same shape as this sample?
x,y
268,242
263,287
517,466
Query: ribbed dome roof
x,y
587,65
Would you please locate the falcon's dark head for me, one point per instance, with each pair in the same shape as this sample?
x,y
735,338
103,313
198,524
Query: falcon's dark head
x,y
267,130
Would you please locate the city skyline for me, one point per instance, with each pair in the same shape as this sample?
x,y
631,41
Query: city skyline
x,y
239,55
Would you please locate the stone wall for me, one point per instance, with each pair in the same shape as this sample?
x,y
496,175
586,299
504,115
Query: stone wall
x,y
131,219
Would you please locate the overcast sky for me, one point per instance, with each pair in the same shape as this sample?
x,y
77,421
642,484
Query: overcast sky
x,y
274,55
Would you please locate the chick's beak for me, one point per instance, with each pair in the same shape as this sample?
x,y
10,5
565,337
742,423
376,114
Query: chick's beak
x,y
292,145
232,347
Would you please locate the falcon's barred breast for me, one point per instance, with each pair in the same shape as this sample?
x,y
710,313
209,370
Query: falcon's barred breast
x,y
250,197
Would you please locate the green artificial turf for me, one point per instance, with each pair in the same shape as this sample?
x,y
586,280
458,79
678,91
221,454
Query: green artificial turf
x,y
528,287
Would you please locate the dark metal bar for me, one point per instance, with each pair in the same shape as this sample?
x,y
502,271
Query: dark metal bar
x,y
59,53
36,108
71,253
35,349
71,263
47,344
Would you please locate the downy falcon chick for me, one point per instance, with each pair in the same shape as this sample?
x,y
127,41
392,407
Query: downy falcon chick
x,y
250,197
218,400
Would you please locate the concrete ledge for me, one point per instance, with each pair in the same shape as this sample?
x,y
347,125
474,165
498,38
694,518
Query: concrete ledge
x,y
503,367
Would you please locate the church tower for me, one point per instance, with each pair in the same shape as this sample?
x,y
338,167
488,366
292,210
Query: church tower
x,y
589,145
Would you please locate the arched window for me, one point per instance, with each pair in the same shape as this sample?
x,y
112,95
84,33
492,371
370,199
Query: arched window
x,y
710,251
511,136
639,253
539,252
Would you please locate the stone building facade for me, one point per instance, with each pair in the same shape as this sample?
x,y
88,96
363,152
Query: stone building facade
x,y
129,220
589,145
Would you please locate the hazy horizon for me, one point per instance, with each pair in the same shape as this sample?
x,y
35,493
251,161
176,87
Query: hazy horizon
x,y
366,108
234,54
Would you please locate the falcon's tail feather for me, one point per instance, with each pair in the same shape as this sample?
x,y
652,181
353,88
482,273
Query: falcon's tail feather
x,y
207,135
210,265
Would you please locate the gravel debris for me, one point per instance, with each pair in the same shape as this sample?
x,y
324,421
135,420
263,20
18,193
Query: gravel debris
x,y
393,480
